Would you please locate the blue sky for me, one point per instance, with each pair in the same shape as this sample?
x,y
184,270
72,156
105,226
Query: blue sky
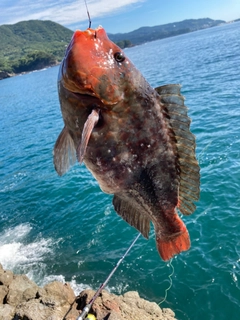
x,y
117,15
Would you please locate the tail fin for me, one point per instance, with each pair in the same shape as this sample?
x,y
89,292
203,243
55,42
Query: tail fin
x,y
173,244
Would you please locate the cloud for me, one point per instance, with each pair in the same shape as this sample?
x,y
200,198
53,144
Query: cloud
x,y
65,12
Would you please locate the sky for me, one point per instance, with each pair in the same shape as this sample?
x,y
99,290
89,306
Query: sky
x,y
117,15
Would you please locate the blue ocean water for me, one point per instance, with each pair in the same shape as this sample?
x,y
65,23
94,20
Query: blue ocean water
x,y
66,229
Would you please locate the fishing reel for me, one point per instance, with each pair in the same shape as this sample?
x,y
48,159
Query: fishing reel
x,y
91,317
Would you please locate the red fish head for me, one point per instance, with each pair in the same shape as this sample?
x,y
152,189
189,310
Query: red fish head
x,y
95,66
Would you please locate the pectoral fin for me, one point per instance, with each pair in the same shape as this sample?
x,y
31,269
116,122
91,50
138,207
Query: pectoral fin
x,y
64,153
86,133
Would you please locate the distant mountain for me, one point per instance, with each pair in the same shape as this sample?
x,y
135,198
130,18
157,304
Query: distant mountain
x,y
30,45
35,44
146,34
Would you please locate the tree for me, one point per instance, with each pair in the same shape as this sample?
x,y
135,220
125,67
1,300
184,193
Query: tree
x,y
34,61
124,44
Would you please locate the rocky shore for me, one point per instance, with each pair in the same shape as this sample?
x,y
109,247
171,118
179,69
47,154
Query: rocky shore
x,y
22,299
4,75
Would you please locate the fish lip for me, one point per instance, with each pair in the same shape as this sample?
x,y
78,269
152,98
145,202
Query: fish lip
x,y
80,95
83,93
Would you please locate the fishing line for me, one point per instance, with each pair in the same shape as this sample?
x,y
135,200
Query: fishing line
x,y
170,276
87,308
170,285
89,18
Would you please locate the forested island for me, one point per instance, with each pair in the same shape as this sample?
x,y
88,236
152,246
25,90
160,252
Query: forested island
x,y
35,44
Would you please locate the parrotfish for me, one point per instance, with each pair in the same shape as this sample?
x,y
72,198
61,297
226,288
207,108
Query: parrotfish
x,y
134,139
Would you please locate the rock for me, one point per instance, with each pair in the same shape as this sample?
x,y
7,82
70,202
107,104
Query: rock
x,y
3,293
6,277
21,289
4,75
125,307
6,312
168,313
22,299
52,302
33,310
61,292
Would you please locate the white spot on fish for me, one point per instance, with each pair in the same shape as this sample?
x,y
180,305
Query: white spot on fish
x,y
99,163
77,123
108,59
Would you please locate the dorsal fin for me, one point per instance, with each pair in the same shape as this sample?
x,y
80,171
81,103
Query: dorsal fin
x,y
179,121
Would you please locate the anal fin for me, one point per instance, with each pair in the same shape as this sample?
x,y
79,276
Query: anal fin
x,y
132,215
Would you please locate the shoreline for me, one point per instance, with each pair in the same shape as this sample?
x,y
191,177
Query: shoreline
x,y
21,298
6,75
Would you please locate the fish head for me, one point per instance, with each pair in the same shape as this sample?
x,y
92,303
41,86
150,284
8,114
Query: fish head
x,y
95,66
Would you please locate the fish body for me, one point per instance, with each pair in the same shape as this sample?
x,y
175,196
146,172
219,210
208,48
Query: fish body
x,y
133,138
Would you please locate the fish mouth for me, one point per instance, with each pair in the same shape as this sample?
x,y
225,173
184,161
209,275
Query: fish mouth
x,y
88,99
81,91
85,91
84,95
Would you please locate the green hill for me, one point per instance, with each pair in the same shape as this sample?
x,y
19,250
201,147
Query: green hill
x,y
146,34
35,44
30,45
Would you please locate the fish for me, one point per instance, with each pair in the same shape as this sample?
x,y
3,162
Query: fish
x,y
134,139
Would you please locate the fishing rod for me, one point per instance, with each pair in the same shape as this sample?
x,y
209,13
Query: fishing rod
x,y
88,306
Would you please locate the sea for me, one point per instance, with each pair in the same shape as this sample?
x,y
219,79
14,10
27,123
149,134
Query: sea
x,y
65,228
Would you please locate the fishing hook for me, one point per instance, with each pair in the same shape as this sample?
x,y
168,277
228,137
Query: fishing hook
x,y
89,18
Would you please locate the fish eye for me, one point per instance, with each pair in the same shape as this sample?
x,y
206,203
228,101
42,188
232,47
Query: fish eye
x,y
119,57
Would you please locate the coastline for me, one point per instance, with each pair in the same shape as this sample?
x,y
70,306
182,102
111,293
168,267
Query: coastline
x,y
6,75
21,298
